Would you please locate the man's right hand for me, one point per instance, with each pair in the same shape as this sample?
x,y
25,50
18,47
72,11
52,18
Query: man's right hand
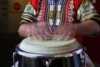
x,y
36,30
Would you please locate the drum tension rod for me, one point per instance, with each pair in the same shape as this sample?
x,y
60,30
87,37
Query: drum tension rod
x,y
48,62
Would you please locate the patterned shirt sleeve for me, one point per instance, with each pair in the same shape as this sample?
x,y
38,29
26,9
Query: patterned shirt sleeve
x,y
29,14
87,11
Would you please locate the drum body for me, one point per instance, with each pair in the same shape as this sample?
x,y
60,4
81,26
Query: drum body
x,y
65,54
73,59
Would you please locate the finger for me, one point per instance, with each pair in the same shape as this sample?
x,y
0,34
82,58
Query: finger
x,y
64,36
44,32
70,35
32,29
55,37
58,37
34,32
63,28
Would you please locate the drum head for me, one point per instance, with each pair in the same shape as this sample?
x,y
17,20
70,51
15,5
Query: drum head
x,y
48,47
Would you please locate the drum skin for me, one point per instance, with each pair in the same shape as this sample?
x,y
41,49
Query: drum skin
x,y
48,47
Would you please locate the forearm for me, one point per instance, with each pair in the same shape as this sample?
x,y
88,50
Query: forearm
x,y
87,28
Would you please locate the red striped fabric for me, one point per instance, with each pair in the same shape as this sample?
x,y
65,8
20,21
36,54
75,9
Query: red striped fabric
x,y
77,3
34,3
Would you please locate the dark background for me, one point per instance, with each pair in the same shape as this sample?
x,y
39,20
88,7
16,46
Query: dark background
x,y
8,41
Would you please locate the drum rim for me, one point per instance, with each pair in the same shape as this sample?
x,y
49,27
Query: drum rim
x,y
35,55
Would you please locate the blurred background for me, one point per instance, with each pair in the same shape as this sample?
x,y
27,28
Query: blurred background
x,y
10,16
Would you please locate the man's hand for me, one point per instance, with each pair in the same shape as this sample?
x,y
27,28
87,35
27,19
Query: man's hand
x,y
36,30
65,32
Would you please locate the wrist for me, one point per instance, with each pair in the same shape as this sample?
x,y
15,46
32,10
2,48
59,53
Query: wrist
x,y
76,27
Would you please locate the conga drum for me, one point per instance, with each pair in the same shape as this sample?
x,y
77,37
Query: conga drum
x,y
30,53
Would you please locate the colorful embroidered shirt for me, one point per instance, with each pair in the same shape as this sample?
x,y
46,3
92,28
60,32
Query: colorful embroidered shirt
x,y
56,10
59,12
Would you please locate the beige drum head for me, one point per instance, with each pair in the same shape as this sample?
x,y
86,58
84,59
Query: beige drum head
x,y
48,47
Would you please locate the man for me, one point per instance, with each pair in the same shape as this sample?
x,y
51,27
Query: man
x,y
55,14
60,20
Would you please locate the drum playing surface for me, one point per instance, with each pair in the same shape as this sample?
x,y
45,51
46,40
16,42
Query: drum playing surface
x,y
48,47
